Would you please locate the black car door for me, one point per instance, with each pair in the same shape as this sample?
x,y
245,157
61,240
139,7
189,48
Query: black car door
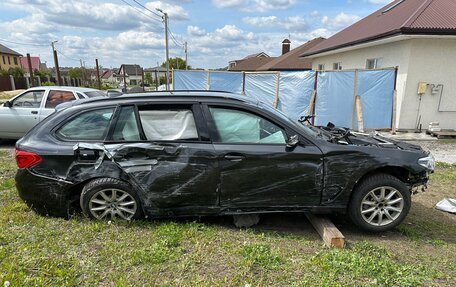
x,y
164,149
257,169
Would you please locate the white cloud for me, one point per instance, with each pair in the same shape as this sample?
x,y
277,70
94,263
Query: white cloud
x,y
175,12
254,5
288,23
195,31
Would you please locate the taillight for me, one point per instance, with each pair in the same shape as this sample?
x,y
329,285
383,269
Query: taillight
x,y
25,159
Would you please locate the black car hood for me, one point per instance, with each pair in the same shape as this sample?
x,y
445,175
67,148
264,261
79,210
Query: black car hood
x,y
344,136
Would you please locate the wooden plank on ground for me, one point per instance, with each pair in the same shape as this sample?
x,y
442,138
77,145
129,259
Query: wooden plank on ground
x,y
331,236
359,114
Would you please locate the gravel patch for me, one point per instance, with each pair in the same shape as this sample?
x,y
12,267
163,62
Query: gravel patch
x,y
443,150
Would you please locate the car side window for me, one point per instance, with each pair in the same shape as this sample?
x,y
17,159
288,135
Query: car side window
x,y
168,123
126,128
91,125
57,97
30,99
236,126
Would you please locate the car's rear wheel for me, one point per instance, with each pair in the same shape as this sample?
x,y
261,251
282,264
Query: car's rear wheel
x,y
109,198
379,203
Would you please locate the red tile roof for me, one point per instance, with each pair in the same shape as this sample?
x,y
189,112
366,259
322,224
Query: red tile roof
x,y
434,17
250,64
291,60
35,63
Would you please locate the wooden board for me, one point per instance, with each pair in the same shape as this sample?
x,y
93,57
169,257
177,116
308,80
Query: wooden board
x,y
359,114
331,236
393,118
444,134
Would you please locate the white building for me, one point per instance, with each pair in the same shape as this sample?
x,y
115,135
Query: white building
x,y
418,37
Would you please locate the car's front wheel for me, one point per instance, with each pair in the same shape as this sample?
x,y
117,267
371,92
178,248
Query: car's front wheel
x,y
379,203
109,198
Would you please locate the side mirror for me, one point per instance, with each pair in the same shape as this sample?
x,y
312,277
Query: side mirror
x,y
293,141
7,104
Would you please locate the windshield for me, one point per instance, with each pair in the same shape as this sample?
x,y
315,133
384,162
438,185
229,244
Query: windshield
x,y
301,127
94,94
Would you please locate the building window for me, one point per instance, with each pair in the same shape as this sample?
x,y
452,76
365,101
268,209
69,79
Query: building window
x,y
337,66
9,60
4,61
15,60
373,63
321,67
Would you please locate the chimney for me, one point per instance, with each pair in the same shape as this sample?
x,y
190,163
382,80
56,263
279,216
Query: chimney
x,y
285,46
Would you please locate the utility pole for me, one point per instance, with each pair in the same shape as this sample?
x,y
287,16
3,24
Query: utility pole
x,y
29,61
56,64
82,71
185,49
98,74
166,19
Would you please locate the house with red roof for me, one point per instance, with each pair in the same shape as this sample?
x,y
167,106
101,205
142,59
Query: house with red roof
x,y
417,37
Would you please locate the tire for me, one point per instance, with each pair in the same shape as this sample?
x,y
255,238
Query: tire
x,y
109,198
379,203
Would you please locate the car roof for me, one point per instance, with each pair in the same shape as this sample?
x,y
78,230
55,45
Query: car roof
x,y
164,95
68,88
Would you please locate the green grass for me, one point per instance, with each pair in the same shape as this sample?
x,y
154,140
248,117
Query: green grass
x,y
44,251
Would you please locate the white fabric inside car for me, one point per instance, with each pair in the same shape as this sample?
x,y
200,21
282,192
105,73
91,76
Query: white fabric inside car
x,y
168,124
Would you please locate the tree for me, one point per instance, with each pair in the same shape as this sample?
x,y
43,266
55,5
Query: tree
x,y
41,73
76,73
16,72
175,63
148,78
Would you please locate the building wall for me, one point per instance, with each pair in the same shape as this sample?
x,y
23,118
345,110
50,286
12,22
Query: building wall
x,y
432,60
9,61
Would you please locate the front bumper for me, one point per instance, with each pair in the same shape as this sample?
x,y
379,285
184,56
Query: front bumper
x,y
46,196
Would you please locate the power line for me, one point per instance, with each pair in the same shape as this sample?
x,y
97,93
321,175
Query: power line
x,y
26,44
174,39
153,12
147,15
73,59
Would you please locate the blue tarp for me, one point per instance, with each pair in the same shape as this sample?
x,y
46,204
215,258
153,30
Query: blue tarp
x,y
334,101
334,96
375,89
295,90
190,80
262,87
226,81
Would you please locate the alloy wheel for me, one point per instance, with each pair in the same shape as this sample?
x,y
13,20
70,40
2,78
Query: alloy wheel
x,y
112,203
382,205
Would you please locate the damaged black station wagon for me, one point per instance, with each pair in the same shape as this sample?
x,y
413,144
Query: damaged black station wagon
x,y
210,153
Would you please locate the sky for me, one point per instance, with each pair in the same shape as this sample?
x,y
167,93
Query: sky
x,y
124,32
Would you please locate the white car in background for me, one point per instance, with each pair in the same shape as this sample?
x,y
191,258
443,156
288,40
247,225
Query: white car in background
x,y
21,113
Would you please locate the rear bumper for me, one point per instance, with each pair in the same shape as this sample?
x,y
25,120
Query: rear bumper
x,y
46,196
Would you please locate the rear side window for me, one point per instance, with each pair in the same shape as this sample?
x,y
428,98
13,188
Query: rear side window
x,y
58,97
126,127
171,123
91,125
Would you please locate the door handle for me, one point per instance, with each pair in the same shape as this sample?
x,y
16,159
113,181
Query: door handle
x,y
234,157
34,112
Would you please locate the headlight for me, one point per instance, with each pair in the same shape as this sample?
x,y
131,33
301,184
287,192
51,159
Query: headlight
x,y
427,162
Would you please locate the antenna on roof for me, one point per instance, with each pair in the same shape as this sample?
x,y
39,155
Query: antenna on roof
x,y
392,6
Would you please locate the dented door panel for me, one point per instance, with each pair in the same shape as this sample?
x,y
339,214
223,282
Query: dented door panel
x,y
269,176
171,175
